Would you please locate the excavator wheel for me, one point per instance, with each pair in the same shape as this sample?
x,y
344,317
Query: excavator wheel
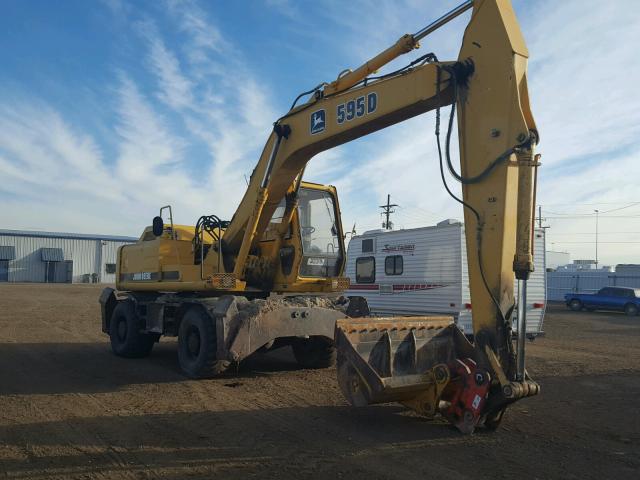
x,y
314,352
197,346
124,332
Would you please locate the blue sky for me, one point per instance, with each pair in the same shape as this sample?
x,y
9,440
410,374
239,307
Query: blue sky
x,y
110,109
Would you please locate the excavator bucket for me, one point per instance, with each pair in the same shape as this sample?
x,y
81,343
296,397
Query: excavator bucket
x,y
401,359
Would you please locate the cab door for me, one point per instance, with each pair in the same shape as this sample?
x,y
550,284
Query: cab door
x,y
604,298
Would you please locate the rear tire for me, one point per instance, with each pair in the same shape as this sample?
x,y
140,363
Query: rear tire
x,y
575,305
315,352
197,346
124,332
631,310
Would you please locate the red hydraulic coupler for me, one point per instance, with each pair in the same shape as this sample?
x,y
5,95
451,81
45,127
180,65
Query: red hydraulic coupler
x,y
467,393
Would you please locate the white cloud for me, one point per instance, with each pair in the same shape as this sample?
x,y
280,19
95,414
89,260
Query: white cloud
x,y
216,103
175,88
581,83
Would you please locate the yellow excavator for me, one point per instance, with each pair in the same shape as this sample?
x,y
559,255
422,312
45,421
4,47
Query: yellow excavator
x,y
273,274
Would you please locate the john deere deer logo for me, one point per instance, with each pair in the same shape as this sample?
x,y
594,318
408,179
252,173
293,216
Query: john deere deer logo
x,y
317,122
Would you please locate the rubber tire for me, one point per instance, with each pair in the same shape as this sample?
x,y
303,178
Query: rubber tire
x,y
203,364
132,344
631,310
575,305
314,352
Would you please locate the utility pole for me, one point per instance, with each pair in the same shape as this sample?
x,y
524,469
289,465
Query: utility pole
x,y
540,216
386,211
597,211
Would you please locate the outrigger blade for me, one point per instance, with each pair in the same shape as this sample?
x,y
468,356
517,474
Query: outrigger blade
x,y
425,363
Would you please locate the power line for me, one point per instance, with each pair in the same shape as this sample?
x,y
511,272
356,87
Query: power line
x,y
591,214
593,233
416,207
586,216
591,243
585,204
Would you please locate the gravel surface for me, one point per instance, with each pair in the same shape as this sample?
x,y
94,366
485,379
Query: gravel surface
x,y
70,409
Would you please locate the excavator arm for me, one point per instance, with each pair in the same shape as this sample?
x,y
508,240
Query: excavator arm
x,y
423,362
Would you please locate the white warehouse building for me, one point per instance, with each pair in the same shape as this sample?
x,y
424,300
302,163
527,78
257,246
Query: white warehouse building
x,y
52,257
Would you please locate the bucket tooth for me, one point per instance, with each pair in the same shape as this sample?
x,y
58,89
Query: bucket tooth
x,y
404,361
380,356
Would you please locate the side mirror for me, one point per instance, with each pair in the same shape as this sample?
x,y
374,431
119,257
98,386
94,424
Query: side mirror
x,y
158,226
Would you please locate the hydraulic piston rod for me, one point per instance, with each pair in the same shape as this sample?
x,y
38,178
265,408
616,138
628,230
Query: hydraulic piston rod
x,y
405,44
522,328
446,18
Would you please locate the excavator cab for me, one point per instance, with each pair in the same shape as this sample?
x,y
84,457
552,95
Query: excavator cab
x,y
322,245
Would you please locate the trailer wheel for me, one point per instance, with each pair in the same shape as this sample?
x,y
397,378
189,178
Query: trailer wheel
x,y
124,332
197,346
314,352
575,305
631,310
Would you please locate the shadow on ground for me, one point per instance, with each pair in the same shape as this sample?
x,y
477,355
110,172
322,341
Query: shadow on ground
x,y
49,368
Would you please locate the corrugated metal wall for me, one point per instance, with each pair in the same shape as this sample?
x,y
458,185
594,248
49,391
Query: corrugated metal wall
x,y
110,255
89,256
585,281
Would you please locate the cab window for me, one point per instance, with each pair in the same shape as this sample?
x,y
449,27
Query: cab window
x,y
320,234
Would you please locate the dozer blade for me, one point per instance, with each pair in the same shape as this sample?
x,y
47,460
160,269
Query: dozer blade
x,y
400,359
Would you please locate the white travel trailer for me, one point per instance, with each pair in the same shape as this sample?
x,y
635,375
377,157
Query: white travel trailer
x,y
422,271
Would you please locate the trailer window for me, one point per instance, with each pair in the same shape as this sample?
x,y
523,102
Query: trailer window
x,y
365,270
393,265
367,245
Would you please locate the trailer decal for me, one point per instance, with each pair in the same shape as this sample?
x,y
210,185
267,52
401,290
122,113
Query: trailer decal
x,y
405,248
398,288
419,286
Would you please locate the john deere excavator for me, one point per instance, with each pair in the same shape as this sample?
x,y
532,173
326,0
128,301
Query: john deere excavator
x,y
272,276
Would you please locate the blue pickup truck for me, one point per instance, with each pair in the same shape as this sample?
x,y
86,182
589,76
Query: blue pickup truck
x,y
608,298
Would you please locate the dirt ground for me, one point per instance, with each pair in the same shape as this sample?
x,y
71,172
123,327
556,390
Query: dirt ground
x,y
70,409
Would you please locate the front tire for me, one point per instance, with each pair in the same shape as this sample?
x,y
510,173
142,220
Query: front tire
x,y
124,332
197,346
575,305
314,352
631,310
